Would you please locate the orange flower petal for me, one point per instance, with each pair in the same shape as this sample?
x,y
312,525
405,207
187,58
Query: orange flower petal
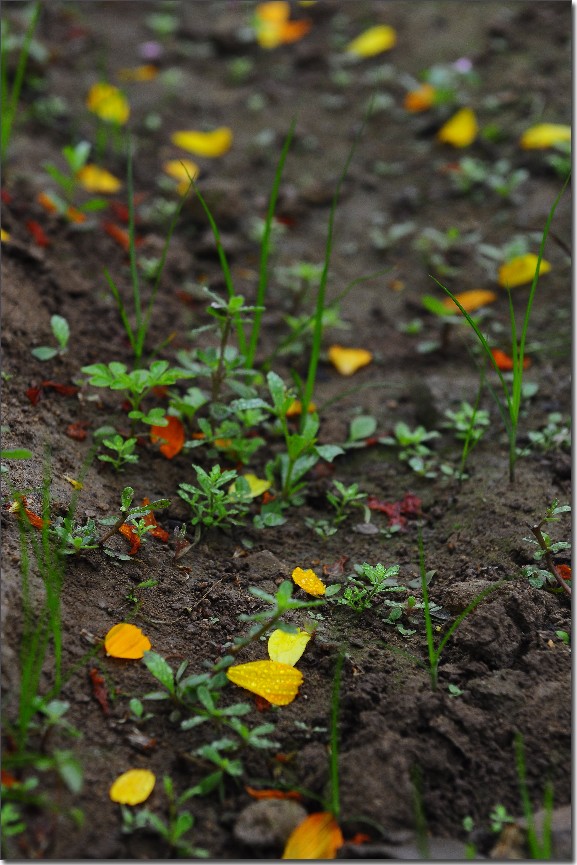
x,y
564,571
277,683
317,837
150,520
172,436
420,99
470,300
521,270
129,533
133,787
126,641
308,581
348,360
460,130
296,408
273,794
504,362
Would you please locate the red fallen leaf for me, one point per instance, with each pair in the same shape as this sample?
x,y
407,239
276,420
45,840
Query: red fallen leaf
x,y
564,571
34,394
5,196
261,703
129,533
99,691
77,431
121,211
397,512
37,233
372,440
267,497
285,758
359,838
63,389
8,779
172,437
504,362
337,569
289,221
273,794
150,520
411,505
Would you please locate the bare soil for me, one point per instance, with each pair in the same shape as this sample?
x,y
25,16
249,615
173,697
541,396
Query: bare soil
x,y
397,735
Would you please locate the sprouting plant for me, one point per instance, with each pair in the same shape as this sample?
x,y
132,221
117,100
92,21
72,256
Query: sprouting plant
x,y
370,581
136,384
509,403
555,435
11,97
546,549
123,451
343,499
499,176
434,652
229,438
413,450
467,422
499,816
75,538
76,159
299,278
212,502
441,251
131,514
171,830
61,332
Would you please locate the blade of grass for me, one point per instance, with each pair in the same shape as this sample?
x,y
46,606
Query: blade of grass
x,y
11,102
335,802
136,299
265,250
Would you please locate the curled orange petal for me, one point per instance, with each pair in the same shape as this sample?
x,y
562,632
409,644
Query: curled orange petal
x,y
130,534
504,362
317,837
172,437
420,99
150,520
273,794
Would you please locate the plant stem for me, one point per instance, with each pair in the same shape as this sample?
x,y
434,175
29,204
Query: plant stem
x,y
548,559
335,805
9,113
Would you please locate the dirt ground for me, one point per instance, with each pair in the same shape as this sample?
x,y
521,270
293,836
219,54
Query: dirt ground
x,y
404,748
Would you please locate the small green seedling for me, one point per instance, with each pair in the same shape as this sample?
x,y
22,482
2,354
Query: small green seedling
x,y
499,817
61,332
555,435
413,450
123,451
137,384
212,505
370,581
546,549
76,159
131,514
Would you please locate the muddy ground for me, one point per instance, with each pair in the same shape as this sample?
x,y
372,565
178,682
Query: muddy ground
x,y
450,750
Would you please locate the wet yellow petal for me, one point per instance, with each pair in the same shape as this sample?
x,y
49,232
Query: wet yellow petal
x,y
348,360
521,270
308,581
133,787
277,683
210,144
287,648
108,103
470,300
4,236
460,130
126,641
95,179
317,837
373,41
257,486
138,73
545,135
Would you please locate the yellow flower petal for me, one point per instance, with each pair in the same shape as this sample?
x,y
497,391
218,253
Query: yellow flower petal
x,y
287,648
4,236
348,360
108,103
277,683
545,135
460,130
132,787
257,486
317,837
521,270
181,169
126,641
296,408
373,41
308,581
210,144
138,73
470,300
77,485
95,179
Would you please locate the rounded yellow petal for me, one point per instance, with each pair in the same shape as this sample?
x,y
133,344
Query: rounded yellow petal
x,y
95,179
210,144
521,270
181,169
287,648
257,486
133,787
460,130
126,641
277,683
545,135
108,103
348,360
470,300
308,581
373,41
4,236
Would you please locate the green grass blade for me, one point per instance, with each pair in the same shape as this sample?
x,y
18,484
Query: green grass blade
x,y
335,803
12,103
121,309
136,297
468,609
224,265
265,250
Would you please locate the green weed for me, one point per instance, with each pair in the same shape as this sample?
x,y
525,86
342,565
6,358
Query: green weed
x,y
61,332
11,96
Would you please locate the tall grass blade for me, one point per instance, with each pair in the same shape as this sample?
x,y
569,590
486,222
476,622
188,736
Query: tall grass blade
x,y
335,802
10,103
